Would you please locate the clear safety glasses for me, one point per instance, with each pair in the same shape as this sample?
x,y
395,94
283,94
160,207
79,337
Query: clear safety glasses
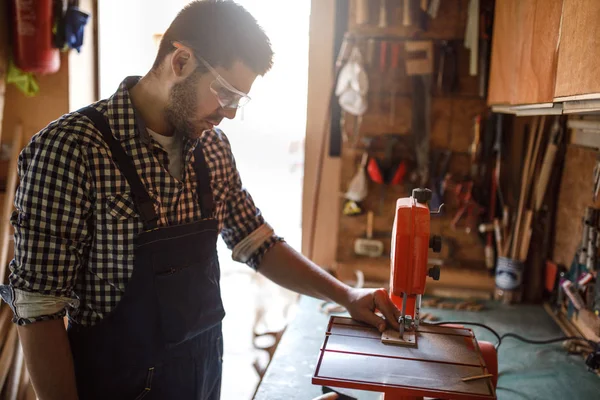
x,y
226,94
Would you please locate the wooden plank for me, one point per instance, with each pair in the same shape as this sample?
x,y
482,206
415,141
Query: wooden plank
x,y
320,80
579,49
516,234
539,22
505,53
7,206
574,195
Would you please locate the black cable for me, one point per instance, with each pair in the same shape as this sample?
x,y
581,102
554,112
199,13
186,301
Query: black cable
x,y
547,341
515,336
469,323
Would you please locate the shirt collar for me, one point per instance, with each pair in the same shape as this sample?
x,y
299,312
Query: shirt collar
x,y
120,112
126,124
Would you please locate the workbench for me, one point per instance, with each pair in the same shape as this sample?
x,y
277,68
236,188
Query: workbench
x,y
525,371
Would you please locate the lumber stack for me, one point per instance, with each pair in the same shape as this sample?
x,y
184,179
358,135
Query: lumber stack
x,y
513,232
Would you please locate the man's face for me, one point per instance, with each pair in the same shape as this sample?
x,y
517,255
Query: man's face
x,y
193,107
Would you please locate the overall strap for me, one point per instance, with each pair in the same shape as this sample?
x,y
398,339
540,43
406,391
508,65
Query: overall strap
x,y
143,202
203,183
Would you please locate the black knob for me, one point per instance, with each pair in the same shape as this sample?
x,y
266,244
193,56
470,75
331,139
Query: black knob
x,y
434,272
422,195
435,243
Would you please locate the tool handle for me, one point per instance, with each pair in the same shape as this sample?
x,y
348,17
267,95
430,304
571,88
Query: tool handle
x,y
370,225
395,55
406,16
382,55
382,14
370,52
362,12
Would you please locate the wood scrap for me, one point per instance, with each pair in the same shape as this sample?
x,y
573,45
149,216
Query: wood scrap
x,y
524,178
547,163
477,377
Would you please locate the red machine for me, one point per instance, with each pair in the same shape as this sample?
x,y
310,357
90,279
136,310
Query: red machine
x,y
411,242
422,360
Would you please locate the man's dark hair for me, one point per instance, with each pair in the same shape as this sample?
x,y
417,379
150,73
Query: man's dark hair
x,y
221,32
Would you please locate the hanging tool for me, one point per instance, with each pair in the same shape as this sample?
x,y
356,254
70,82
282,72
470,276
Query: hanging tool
x,y
439,166
467,206
368,246
362,12
382,14
446,74
383,47
421,69
358,187
423,14
475,146
472,35
434,7
395,55
486,23
386,172
406,13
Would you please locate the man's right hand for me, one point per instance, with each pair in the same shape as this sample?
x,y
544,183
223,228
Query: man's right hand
x,y
49,361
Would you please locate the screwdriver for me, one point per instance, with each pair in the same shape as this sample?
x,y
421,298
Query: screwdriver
x,y
382,61
395,53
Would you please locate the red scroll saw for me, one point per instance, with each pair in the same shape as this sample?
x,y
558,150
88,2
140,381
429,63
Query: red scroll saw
x,y
419,360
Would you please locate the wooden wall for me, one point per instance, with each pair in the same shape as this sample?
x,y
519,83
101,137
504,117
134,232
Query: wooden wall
x,y
452,121
574,196
320,80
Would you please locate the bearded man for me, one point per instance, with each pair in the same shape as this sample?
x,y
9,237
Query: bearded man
x,y
117,216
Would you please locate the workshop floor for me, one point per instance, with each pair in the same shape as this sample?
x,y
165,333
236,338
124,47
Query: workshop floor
x,y
246,293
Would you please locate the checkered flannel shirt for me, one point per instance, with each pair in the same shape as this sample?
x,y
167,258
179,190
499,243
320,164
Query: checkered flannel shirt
x,y
75,220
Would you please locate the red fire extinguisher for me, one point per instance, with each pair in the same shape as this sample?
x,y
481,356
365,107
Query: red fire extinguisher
x,y
32,36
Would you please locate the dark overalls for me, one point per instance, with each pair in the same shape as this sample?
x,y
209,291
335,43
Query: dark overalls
x,y
163,340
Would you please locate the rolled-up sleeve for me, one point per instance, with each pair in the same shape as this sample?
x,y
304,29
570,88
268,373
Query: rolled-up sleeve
x,y
245,231
52,235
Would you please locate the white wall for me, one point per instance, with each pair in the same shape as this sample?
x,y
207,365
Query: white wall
x,y
273,122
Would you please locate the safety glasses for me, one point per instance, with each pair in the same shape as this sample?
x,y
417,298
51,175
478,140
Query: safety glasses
x,y
226,94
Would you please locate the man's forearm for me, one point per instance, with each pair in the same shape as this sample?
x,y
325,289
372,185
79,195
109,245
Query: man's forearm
x,y
290,269
49,361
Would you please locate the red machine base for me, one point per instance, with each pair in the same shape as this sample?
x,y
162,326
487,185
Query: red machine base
x,y
353,356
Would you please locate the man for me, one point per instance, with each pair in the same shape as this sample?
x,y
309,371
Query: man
x,y
117,215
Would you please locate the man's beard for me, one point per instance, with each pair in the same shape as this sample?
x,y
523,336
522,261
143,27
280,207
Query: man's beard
x,y
183,106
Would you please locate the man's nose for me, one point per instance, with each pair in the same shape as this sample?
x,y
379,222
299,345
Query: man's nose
x,y
228,112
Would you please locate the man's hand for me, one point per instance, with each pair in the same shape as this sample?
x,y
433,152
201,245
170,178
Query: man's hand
x,y
362,303
290,269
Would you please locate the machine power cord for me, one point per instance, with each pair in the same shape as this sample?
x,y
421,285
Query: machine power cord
x,y
592,361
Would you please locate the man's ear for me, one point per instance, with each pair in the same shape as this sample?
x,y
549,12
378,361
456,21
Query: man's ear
x,y
182,63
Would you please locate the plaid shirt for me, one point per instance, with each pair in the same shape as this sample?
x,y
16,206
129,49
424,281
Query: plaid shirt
x,y
75,220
